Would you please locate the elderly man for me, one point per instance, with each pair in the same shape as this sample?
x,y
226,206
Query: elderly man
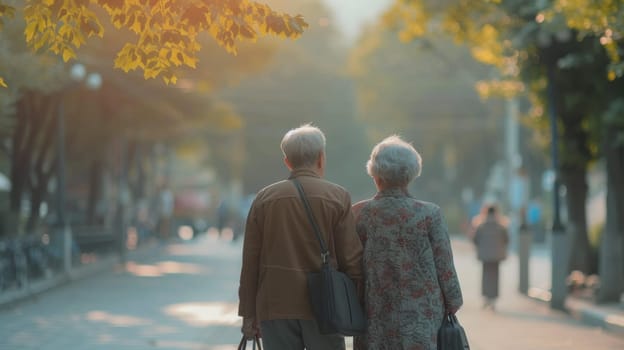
x,y
280,248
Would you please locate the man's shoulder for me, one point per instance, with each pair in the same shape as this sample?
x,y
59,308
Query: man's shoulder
x,y
331,191
313,187
333,186
276,187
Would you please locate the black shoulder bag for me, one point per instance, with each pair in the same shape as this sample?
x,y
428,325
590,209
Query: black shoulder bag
x,y
452,335
333,295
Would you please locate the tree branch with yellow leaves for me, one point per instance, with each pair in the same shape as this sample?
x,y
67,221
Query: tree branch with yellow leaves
x,y
166,30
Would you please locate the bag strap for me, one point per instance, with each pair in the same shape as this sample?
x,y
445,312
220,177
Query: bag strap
x,y
255,343
317,230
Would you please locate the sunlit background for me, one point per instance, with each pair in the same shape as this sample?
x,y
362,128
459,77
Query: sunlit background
x,y
97,163
185,156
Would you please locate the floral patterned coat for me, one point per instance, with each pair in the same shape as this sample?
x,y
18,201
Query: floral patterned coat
x,y
410,277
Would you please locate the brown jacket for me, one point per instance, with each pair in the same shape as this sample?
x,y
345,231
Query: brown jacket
x,y
280,246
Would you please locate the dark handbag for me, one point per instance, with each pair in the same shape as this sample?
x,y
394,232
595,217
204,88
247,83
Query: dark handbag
x,y
255,343
452,335
333,295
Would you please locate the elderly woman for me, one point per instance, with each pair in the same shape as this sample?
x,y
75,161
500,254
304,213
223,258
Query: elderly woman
x,y
410,278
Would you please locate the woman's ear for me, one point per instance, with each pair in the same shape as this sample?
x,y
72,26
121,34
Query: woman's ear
x,y
378,183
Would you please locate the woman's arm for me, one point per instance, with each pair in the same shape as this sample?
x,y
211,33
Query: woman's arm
x,y
444,265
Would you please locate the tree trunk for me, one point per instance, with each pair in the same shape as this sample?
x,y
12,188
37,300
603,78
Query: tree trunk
x,y
95,186
44,162
132,181
36,198
20,159
141,176
611,263
32,162
575,180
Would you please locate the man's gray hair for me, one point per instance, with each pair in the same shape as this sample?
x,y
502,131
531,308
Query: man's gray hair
x,y
394,161
303,146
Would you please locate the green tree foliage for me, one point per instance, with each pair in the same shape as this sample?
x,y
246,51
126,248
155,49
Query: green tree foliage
x,y
602,19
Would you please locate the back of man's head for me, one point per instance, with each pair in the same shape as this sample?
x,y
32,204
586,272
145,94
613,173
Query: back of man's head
x,y
303,146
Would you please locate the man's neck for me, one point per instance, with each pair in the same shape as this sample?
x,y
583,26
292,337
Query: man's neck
x,y
317,171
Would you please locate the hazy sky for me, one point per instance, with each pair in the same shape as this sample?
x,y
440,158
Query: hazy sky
x,y
352,14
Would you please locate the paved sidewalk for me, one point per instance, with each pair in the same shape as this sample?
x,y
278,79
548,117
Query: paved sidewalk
x,y
520,322
102,263
183,296
607,316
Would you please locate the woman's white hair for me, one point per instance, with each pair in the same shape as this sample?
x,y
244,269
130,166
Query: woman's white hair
x,y
303,146
395,162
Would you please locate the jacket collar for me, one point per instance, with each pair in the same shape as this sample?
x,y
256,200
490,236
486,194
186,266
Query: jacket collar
x,y
303,172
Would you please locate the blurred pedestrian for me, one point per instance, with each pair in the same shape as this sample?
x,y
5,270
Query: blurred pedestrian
x,y
535,221
165,212
280,248
491,238
223,211
409,274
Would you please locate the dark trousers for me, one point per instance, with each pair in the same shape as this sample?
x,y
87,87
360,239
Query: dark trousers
x,y
297,335
489,281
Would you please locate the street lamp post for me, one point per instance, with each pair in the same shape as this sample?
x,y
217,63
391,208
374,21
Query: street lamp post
x,y
63,228
93,81
548,42
559,243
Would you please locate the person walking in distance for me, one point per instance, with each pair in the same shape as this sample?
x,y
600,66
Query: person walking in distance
x,y
409,275
491,239
280,248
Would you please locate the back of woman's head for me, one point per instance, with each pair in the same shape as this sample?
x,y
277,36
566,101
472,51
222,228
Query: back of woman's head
x,y
395,162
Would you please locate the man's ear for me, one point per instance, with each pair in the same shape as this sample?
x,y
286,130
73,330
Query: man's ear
x,y
287,162
320,163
